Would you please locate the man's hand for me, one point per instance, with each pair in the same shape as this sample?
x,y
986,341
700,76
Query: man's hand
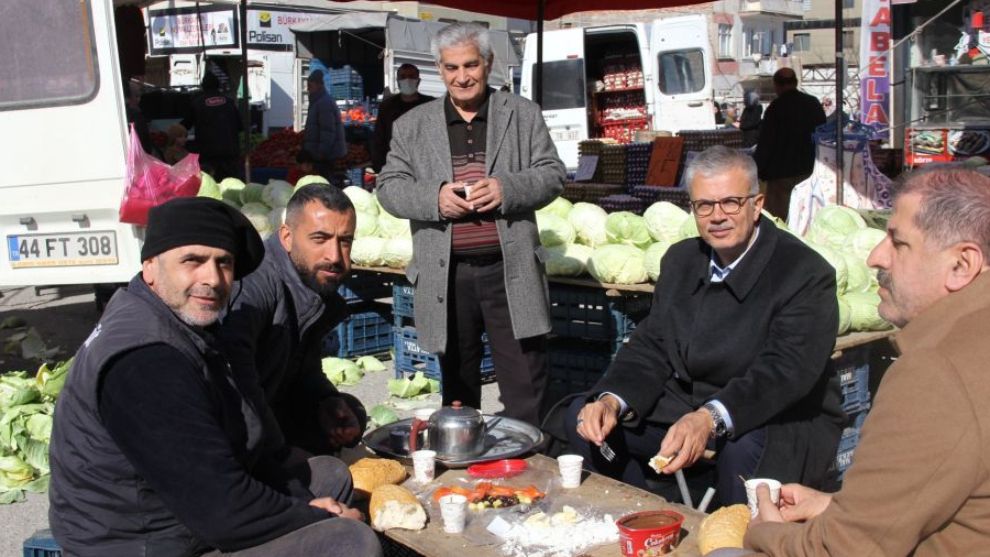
x,y
799,503
452,205
338,421
336,508
597,419
767,511
486,194
687,438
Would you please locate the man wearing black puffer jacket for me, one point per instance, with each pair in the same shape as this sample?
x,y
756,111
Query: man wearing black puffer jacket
x,y
157,450
217,124
274,331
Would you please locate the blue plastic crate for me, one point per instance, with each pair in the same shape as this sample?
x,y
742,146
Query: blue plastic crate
x,y
588,313
574,367
855,386
366,286
356,176
368,332
42,544
402,301
410,357
843,460
261,175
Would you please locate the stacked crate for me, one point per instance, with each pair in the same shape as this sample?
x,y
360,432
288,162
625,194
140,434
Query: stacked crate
x,y
346,84
410,357
368,329
853,368
613,164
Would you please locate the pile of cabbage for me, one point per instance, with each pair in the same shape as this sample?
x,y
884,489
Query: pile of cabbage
x,y
380,239
617,248
263,205
26,408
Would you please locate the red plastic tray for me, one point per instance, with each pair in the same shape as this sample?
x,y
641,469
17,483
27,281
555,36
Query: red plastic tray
x,y
505,468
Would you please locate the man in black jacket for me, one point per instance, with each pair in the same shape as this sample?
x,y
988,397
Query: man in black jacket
x,y
156,450
734,353
392,108
275,328
217,124
785,153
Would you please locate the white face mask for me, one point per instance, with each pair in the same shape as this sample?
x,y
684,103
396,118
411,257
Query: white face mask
x,y
408,86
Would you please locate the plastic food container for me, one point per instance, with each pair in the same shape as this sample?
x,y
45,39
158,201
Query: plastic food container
x,y
649,533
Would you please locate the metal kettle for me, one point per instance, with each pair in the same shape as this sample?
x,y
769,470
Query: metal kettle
x,y
454,432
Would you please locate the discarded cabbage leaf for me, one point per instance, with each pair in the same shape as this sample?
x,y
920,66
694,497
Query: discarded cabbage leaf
x,y
381,415
370,363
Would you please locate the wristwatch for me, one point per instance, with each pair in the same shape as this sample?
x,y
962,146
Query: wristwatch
x,y
719,428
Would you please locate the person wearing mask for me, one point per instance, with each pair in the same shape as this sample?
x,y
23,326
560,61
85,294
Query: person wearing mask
x,y
217,124
392,108
323,136
469,170
156,448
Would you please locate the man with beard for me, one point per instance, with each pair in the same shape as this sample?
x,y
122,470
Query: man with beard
x,y
156,450
920,479
275,328
734,354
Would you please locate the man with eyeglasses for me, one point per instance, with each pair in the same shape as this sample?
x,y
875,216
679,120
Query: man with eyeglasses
x,y
734,355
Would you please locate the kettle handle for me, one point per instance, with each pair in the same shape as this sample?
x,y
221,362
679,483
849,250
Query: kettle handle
x,y
417,426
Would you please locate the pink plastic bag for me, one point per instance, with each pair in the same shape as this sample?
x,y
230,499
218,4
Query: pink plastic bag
x,y
151,182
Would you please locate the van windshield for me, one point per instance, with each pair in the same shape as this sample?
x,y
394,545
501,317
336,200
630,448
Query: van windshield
x,y
563,84
681,71
30,74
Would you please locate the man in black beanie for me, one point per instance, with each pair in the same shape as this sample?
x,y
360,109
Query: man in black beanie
x,y
274,331
156,449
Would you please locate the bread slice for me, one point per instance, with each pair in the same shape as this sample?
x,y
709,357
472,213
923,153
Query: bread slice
x,y
393,506
725,527
369,473
659,461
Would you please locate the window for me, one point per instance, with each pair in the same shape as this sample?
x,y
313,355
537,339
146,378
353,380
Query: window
x,y
802,42
681,71
848,4
758,43
847,40
30,75
725,49
563,84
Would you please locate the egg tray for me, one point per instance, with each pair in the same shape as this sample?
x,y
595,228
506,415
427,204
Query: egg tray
x,y
622,202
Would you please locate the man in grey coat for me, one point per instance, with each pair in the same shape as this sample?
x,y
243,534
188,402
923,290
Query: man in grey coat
x,y
469,169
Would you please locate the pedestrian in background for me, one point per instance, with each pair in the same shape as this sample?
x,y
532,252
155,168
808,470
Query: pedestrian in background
x,y
469,170
323,137
217,123
751,119
392,108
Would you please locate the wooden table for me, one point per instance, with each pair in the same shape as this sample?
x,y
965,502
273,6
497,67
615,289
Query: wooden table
x,y
596,491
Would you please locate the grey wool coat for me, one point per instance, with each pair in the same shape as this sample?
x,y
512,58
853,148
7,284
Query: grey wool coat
x,y
522,156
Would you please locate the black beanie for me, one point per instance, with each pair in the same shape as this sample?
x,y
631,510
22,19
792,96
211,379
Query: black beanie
x,y
186,221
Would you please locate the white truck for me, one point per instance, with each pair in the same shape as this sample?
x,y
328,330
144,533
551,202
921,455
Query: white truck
x,y
611,80
64,148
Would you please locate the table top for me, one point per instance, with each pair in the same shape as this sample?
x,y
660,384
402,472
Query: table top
x,y
596,491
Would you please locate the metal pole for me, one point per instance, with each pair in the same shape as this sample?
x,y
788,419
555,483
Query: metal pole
x,y
840,79
246,99
538,71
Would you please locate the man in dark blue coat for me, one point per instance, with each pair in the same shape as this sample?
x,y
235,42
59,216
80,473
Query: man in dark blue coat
x,y
734,355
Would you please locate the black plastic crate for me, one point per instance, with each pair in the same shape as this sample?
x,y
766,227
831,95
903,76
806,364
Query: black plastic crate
x,y
587,313
366,287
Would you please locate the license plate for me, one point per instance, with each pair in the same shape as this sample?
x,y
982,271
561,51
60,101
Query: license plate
x,y
564,135
62,250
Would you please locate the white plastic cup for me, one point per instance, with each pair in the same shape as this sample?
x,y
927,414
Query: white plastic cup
x,y
453,510
570,469
774,486
424,465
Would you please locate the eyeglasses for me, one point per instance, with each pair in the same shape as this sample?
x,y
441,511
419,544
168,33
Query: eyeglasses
x,y
730,205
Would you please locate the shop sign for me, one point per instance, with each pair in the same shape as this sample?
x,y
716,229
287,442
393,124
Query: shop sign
x,y
270,29
874,65
184,30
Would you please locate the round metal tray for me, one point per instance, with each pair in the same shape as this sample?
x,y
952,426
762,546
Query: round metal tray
x,y
504,438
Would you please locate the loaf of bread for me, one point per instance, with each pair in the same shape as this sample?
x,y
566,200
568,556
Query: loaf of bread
x,y
369,473
725,527
393,506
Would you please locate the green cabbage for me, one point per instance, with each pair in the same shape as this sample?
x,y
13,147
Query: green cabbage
x,y
559,207
260,217
623,227
367,224
51,380
277,193
654,254
664,221
554,230
569,260
381,415
367,251
363,200
689,229
863,312
862,241
419,384
208,187
588,221
370,363
231,184
311,179
837,261
397,252
252,193
833,224
618,264
277,218
858,275
341,372
845,316
390,226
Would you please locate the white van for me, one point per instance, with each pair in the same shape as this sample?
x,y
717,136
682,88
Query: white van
x,y
64,148
610,81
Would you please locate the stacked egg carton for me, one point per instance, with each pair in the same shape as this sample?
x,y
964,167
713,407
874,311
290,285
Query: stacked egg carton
x,y
594,147
622,202
613,164
637,163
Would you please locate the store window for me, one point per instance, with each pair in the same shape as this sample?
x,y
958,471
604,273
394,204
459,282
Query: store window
x,y
50,56
725,49
563,84
802,42
681,71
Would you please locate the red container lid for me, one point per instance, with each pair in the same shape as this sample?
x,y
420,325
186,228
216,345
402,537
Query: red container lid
x,y
505,468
